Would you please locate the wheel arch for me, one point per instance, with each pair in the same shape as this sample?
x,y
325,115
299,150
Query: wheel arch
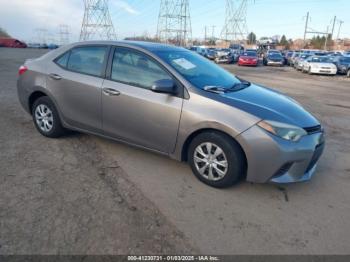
x,y
33,97
189,139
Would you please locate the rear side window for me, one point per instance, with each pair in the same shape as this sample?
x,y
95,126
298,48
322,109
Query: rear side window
x,y
87,60
134,68
63,60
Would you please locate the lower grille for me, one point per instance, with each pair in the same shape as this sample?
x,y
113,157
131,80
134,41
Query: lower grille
x,y
284,169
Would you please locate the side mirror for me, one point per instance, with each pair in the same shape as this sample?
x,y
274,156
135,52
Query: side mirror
x,y
165,86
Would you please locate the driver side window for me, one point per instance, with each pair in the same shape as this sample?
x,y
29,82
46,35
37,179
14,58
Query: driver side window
x,y
136,69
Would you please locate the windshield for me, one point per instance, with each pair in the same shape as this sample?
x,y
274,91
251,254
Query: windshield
x,y
320,59
275,55
199,71
249,54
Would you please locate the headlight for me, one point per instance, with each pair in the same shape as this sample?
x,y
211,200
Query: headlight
x,y
285,131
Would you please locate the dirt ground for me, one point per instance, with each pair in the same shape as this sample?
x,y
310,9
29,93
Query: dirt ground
x,y
86,195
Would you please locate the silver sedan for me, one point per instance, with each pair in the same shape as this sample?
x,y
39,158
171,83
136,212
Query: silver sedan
x,y
174,102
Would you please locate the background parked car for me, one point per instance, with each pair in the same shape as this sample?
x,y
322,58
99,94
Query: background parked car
x,y
223,56
249,58
235,54
299,62
343,64
319,65
266,41
11,42
210,53
295,55
274,58
287,57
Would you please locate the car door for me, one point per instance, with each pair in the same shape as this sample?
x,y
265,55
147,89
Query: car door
x,y
131,111
75,81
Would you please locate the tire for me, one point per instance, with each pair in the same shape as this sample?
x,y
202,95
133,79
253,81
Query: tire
x,y
51,126
232,152
309,71
348,73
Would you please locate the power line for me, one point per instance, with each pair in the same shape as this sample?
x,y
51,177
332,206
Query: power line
x,y
174,22
97,22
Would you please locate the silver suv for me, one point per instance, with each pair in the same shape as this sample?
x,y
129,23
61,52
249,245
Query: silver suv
x,y
174,102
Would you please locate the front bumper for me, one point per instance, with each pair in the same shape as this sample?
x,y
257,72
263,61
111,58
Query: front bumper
x,y
248,63
332,71
227,60
274,63
273,159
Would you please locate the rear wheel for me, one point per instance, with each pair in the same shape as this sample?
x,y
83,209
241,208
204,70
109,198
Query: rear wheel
x,y
348,73
46,118
216,159
309,71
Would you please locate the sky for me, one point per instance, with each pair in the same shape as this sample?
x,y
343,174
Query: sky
x,y
22,18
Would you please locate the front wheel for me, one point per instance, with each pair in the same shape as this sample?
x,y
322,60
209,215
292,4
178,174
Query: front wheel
x,y
46,118
216,159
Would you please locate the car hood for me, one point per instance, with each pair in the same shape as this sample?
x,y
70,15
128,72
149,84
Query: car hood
x,y
323,64
275,58
249,57
268,104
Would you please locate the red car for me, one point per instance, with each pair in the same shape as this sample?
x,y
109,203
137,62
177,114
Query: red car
x,y
249,58
11,42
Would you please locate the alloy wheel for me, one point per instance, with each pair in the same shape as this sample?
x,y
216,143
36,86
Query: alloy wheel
x,y
210,161
44,118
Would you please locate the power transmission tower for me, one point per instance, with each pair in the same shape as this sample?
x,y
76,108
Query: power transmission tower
x,y
235,28
64,34
174,22
41,35
97,22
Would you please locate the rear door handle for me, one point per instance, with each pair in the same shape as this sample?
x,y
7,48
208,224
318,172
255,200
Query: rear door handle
x,y
111,92
55,76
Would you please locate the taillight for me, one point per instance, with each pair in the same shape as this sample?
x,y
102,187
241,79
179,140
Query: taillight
x,y
22,70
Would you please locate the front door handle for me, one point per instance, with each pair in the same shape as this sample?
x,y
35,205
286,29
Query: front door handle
x,y
111,92
55,77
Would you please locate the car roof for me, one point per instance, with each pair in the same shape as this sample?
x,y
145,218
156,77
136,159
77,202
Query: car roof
x,y
149,46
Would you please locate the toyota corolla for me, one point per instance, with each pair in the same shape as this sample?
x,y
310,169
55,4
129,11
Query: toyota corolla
x,y
172,101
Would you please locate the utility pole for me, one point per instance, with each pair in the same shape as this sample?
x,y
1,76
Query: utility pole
x,y
213,32
306,26
235,28
97,23
174,22
326,41
205,34
334,21
340,24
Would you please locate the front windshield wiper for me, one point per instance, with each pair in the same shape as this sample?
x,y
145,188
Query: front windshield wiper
x,y
221,90
215,89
